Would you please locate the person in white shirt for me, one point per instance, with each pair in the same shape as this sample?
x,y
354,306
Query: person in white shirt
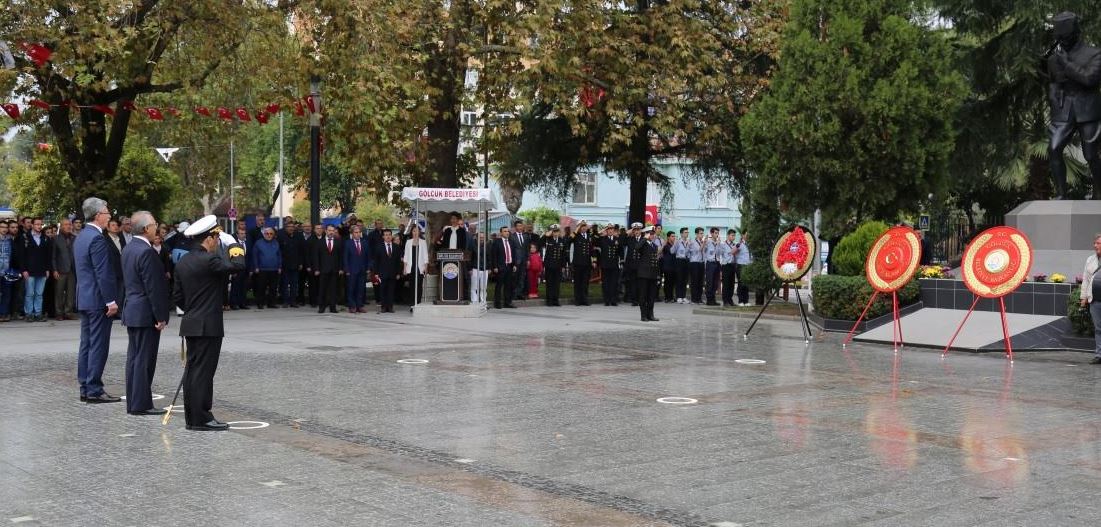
x,y
1090,296
415,260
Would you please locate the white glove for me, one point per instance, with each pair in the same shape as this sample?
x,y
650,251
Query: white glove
x,y
226,239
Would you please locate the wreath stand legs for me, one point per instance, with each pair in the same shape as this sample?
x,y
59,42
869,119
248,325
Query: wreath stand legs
x,y
804,322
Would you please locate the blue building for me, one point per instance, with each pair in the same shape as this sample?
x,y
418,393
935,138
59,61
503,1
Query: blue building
x,y
602,197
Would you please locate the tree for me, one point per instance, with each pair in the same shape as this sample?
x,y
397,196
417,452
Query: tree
x,y
106,52
622,84
858,120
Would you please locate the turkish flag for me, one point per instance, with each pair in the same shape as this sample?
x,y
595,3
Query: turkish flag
x,y
243,115
40,103
273,108
224,113
12,110
174,112
154,114
203,110
38,53
298,109
103,108
652,217
261,117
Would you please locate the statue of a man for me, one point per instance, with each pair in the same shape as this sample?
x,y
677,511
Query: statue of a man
x,y
1074,68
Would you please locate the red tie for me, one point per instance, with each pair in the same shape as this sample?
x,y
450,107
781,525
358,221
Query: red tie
x,y
387,249
357,246
508,254
330,246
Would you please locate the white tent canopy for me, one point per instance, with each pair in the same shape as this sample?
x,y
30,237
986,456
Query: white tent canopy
x,y
465,200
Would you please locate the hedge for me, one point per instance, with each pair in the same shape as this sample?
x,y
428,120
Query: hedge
x,y
1080,320
844,297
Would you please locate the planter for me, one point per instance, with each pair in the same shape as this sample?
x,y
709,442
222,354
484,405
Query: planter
x,y
844,326
1031,298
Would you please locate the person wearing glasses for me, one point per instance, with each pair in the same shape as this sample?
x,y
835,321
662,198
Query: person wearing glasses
x,y
97,300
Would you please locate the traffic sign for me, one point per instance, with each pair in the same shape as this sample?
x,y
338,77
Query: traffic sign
x,y
923,223
233,214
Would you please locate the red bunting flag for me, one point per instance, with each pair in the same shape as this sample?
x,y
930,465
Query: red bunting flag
x,y
203,110
273,108
38,53
242,114
40,103
312,104
104,109
261,117
223,112
128,105
298,109
154,114
12,110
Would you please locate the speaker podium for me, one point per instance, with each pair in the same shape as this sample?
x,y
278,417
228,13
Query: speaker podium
x,y
452,266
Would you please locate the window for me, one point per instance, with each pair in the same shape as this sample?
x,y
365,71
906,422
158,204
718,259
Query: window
x,y
469,118
584,191
471,80
717,198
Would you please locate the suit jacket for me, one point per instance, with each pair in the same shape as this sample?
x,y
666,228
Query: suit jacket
x,y
523,247
325,261
444,240
293,248
609,249
115,254
146,289
582,249
199,288
63,261
648,262
35,258
356,261
95,272
387,267
497,253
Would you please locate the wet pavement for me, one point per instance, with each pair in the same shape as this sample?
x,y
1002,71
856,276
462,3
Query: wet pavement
x,y
543,416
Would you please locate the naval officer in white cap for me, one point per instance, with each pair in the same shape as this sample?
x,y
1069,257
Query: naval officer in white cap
x,y
199,289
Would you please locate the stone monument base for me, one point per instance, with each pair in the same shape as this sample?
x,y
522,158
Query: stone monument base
x,y
1061,233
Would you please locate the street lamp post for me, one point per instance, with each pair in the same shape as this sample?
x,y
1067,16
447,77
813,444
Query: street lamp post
x,y
315,151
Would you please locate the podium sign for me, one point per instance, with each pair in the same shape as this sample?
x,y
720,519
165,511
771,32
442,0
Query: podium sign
x,y
452,266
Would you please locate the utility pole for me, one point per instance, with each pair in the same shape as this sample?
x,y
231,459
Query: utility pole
x,y
315,151
282,181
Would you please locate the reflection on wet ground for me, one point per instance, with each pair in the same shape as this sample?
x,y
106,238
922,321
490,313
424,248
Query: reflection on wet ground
x,y
518,419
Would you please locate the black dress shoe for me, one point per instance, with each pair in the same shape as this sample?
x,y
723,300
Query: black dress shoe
x,y
510,306
83,398
102,398
322,310
244,307
210,426
151,411
332,310
1096,360
652,319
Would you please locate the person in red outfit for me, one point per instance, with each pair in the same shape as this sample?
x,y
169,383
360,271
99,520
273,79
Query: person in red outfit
x,y
535,268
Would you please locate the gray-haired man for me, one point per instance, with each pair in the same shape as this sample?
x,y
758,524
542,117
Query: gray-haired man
x,y
144,313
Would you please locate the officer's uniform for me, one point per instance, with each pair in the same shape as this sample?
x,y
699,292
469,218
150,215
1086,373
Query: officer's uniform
x,y
582,245
649,269
554,259
199,282
609,268
630,264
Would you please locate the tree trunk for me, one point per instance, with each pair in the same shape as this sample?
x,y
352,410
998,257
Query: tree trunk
x,y
513,196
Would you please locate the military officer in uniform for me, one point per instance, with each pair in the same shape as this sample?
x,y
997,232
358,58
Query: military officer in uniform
x,y
554,260
649,270
630,262
582,244
199,282
608,256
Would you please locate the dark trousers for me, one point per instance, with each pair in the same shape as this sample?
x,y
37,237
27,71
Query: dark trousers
x,y
629,278
288,287
303,286
728,284
198,386
695,270
141,364
647,289
238,283
743,289
521,286
95,341
386,289
682,278
5,297
326,290
504,289
714,276
357,289
17,292
669,285
313,285
609,285
554,284
267,288
416,287
581,274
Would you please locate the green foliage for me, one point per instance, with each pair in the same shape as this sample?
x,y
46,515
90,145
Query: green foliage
x,y
41,186
1080,321
369,209
541,217
850,254
858,120
301,211
844,297
142,182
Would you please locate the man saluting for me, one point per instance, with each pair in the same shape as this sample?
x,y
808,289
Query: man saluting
x,y
199,283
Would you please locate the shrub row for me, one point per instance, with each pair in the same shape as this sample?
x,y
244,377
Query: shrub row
x,y
844,297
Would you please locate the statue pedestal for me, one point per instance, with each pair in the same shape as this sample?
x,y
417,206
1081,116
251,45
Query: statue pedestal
x,y
1061,233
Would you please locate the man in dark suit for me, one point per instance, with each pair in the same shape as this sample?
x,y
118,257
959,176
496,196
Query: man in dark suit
x,y
356,263
649,270
582,245
386,265
609,251
64,280
313,242
293,247
522,240
631,245
554,260
97,300
198,289
145,313
503,256
328,268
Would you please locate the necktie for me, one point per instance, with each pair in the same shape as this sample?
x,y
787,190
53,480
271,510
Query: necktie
x,y
357,247
508,254
387,249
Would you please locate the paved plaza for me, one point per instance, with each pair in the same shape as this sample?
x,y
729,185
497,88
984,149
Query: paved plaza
x,y
540,416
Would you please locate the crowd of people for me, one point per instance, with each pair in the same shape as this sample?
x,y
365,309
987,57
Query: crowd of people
x,y
326,266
